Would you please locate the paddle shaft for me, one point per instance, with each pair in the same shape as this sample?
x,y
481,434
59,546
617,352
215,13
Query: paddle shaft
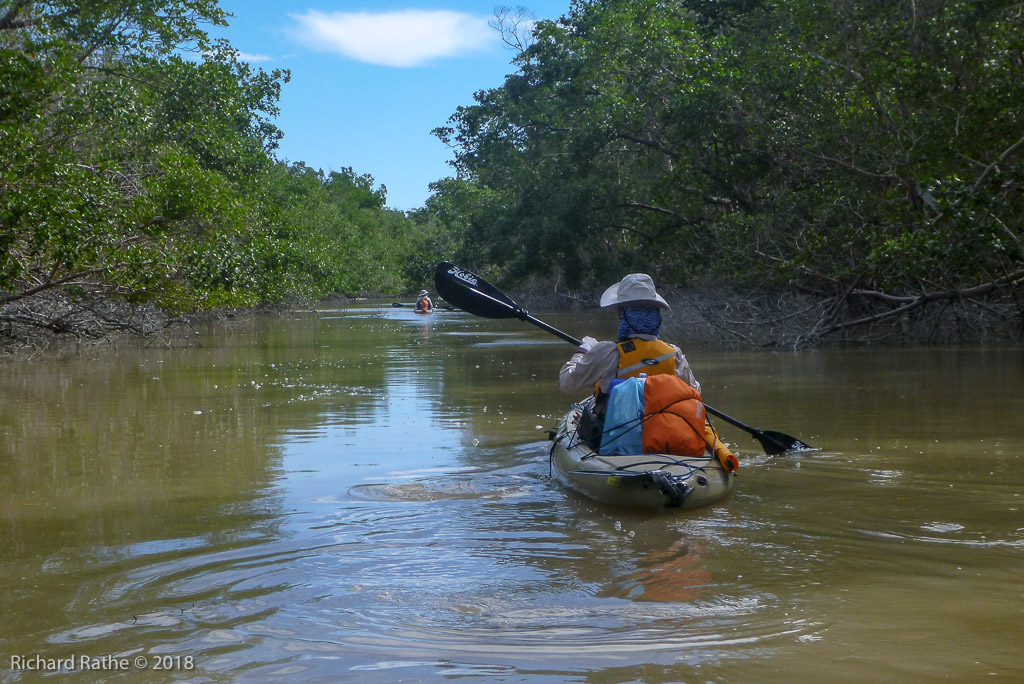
x,y
521,314
554,331
475,295
710,409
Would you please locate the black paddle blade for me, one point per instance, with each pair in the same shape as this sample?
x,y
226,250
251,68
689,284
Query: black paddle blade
x,y
473,294
776,443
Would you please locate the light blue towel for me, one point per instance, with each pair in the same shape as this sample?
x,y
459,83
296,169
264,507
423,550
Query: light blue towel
x,y
623,420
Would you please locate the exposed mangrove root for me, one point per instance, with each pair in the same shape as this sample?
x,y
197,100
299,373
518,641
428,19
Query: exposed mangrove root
x,y
54,320
985,313
989,312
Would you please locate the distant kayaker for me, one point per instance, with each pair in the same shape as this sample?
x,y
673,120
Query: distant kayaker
x,y
639,348
423,302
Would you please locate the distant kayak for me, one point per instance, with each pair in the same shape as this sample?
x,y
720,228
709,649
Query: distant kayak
x,y
660,482
399,305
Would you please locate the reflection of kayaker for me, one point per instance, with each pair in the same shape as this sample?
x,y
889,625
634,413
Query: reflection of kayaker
x,y
673,575
423,303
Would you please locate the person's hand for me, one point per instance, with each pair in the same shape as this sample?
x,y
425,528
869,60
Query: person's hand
x,y
586,344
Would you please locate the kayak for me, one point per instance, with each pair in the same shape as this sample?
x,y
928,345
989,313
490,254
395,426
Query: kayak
x,y
657,482
424,311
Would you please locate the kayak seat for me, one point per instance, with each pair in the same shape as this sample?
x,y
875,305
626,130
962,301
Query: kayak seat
x,y
590,428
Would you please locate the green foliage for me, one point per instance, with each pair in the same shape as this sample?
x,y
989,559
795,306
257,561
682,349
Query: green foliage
x,y
441,228
128,169
343,238
820,143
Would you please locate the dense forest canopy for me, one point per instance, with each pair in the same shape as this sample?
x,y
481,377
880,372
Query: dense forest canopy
x,y
867,152
864,156
137,164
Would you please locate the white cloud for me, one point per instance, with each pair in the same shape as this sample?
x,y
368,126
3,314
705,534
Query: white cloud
x,y
246,57
400,39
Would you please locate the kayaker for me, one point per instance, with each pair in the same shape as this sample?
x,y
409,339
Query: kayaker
x,y
639,348
423,302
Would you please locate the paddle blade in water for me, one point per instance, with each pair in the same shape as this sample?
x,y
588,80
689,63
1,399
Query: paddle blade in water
x,y
473,294
775,443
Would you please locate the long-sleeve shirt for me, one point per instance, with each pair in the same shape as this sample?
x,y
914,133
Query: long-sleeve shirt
x,y
601,364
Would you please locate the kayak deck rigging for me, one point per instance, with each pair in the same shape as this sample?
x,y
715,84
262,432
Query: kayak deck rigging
x,y
650,481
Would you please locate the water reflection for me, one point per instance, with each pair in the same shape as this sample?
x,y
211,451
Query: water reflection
x,y
676,574
365,495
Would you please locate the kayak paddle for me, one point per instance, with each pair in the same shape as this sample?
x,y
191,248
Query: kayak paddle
x,y
473,294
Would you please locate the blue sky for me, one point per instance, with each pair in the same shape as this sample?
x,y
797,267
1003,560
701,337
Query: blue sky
x,y
372,78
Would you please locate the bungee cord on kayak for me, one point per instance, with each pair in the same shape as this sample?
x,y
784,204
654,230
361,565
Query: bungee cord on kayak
x,y
659,473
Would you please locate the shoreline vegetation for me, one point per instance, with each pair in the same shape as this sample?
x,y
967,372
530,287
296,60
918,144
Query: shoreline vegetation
x,y
793,175
792,320
713,317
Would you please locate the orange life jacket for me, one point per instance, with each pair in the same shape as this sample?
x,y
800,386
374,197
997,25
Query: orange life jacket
x,y
651,357
646,357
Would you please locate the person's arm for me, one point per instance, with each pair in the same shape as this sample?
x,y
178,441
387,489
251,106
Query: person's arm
x,y
585,369
684,372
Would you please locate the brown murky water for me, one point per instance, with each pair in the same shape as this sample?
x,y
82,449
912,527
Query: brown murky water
x,y
365,496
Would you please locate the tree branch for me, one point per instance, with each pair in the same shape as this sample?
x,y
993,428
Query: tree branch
x,y
12,18
1006,153
515,24
49,284
909,303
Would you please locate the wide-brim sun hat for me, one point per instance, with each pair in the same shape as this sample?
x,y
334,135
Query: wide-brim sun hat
x,y
423,293
636,289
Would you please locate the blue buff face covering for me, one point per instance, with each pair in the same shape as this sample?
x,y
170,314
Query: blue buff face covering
x,y
638,320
